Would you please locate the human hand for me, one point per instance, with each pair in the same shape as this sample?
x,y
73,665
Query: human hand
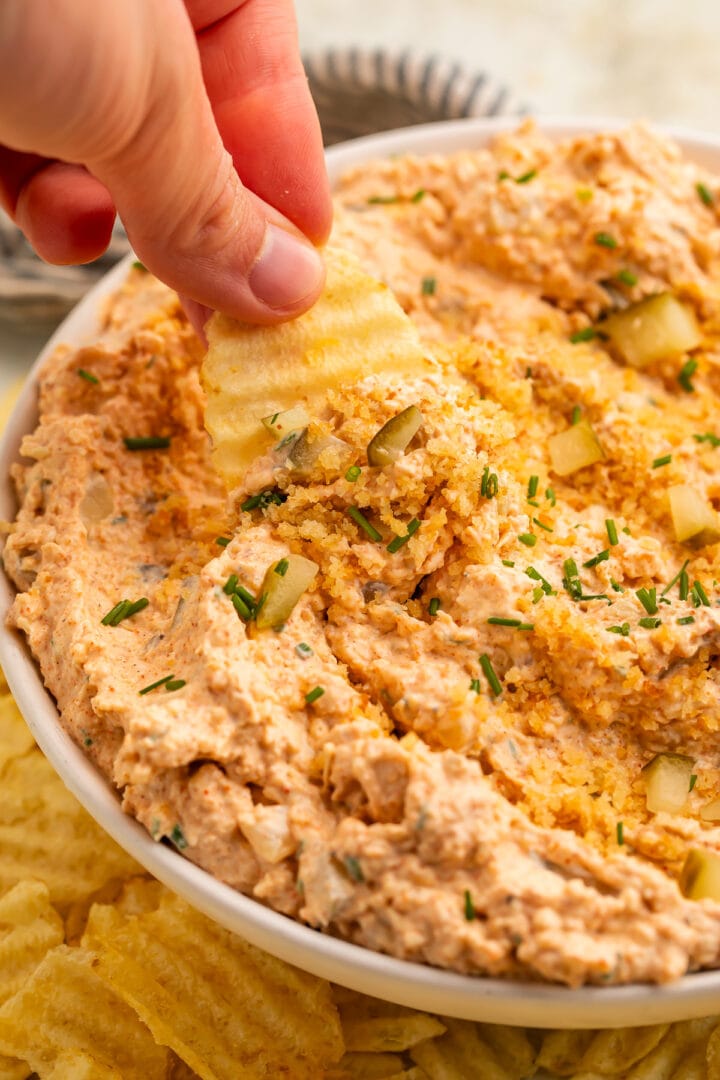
x,y
126,106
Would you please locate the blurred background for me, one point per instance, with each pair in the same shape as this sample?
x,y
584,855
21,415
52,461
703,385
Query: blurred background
x,y
656,59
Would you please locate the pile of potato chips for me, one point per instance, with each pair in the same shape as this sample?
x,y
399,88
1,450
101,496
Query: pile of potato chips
x,y
105,975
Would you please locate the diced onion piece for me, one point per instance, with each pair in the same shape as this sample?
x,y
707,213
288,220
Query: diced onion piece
x,y
693,516
281,424
306,452
667,783
98,502
574,448
700,875
268,833
711,811
656,328
282,591
391,441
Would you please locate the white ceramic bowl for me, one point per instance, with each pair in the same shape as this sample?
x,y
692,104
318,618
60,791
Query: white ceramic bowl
x,y
424,987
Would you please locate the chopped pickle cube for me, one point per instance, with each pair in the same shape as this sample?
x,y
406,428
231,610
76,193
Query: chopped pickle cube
x,y
667,783
700,875
306,452
656,328
692,515
391,441
281,592
574,448
280,424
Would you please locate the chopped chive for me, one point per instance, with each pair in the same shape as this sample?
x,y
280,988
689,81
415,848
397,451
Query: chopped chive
x,y
504,175
626,277
434,605
230,585
475,685
611,531
353,868
137,265
383,200
469,906
615,585
681,571
175,684
649,623
353,473
623,629
648,599
702,596
419,194
244,610
528,539
508,562
147,442
586,334
490,675
619,832
541,525
704,192
534,575
178,838
428,286
708,437
684,585
125,609
604,239
528,373
360,519
222,541
526,626
264,499
282,567
533,486
576,414
526,177
303,650
584,194
550,496
660,461
399,541
156,685
538,594
88,377
602,556
693,781
498,620
685,620
489,484
246,596
314,694
686,373
571,579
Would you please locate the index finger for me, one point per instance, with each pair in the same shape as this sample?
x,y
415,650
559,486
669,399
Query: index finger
x,y
262,105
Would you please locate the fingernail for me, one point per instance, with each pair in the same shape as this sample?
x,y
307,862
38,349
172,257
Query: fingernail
x,y
286,271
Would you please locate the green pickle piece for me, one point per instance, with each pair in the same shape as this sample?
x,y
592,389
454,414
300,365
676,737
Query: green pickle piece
x,y
393,438
667,782
280,592
656,328
700,875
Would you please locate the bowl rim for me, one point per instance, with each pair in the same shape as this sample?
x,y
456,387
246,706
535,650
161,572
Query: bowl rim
x,y
493,1000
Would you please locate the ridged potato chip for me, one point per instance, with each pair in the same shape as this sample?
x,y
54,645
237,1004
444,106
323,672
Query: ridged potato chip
x,y
393,1033
219,1003
29,928
46,834
65,1008
12,1069
15,736
77,1065
460,1054
252,372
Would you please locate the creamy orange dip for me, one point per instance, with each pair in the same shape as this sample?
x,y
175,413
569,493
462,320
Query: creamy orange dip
x,y
467,789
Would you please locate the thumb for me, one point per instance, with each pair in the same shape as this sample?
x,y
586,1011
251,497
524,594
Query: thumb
x,y
186,212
